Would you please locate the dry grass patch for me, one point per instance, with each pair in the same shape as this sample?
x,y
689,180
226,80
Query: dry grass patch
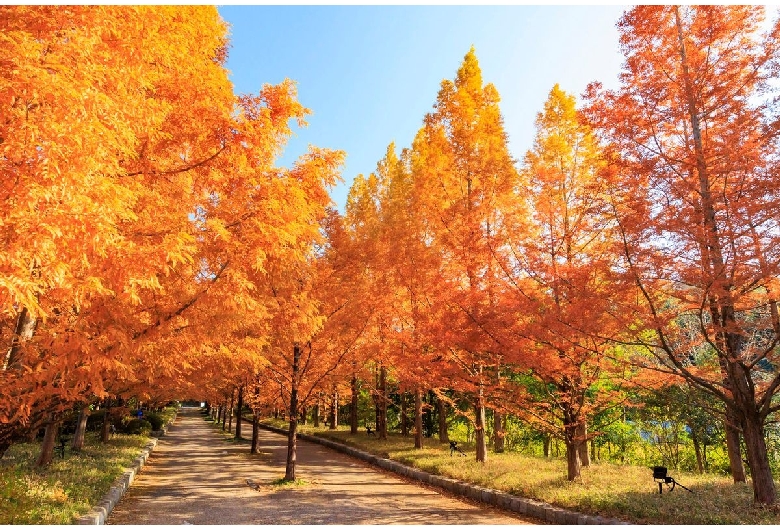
x,y
619,491
69,487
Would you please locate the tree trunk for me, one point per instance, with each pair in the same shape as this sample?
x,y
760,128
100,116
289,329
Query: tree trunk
x,y
764,492
333,418
105,431
381,427
292,434
697,450
255,432
735,455
582,448
24,331
498,431
81,428
376,400
353,408
404,416
418,423
316,414
239,408
224,416
573,463
444,436
479,427
571,426
47,447
547,446
230,410
302,415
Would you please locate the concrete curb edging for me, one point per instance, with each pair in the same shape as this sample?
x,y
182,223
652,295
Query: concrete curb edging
x,y
99,513
540,510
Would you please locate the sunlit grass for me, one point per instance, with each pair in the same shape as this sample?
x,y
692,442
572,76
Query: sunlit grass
x,y
69,487
283,483
611,490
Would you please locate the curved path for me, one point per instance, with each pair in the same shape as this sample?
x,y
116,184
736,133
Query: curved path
x,y
194,477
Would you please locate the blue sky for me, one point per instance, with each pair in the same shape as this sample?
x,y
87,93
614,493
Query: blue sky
x,y
371,73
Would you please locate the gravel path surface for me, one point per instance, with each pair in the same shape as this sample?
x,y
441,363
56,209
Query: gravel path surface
x,y
194,477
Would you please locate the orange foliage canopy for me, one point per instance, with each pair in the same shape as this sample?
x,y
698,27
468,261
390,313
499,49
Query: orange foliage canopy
x,y
692,134
141,208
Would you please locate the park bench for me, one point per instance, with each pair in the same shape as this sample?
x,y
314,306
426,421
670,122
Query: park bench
x,y
454,447
59,449
370,431
661,477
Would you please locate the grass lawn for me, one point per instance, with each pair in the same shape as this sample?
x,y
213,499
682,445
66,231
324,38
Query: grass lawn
x,y
69,487
620,491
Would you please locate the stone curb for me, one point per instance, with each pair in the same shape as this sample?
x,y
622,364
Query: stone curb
x,y
99,513
540,510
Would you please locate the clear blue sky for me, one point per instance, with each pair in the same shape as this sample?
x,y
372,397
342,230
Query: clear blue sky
x,y
371,73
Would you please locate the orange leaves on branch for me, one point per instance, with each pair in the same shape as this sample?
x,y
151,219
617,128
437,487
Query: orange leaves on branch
x,y
140,207
692,135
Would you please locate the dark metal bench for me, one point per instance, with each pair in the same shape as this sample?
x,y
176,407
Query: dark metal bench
x,y
661,477
59,449
454,447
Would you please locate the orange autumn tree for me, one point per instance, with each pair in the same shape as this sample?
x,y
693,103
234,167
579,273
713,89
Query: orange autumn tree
x,y
467,184
561,289
692,133
363,228
100,147
408,267
289,283
140,200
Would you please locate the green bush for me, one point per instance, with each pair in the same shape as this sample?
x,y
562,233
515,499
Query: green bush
x,y
138,426
155,419
95,421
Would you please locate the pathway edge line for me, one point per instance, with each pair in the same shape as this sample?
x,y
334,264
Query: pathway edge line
x,y
100,512
500,499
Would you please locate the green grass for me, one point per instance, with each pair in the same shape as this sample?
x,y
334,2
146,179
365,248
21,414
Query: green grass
x,y
620,491
283,483
167,414
69,487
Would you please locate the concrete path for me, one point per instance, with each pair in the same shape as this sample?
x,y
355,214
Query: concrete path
x,y
194,477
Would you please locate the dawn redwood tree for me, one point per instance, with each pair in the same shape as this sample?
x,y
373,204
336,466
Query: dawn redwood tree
x,y
561,281
141,203
103,139
323,316
363,226
466,183
408,267
692,133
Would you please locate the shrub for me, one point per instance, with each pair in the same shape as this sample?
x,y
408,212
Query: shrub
x,y
95,421
138,426
155,419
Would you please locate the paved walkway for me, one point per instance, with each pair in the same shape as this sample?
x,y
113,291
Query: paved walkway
x,y
194,477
